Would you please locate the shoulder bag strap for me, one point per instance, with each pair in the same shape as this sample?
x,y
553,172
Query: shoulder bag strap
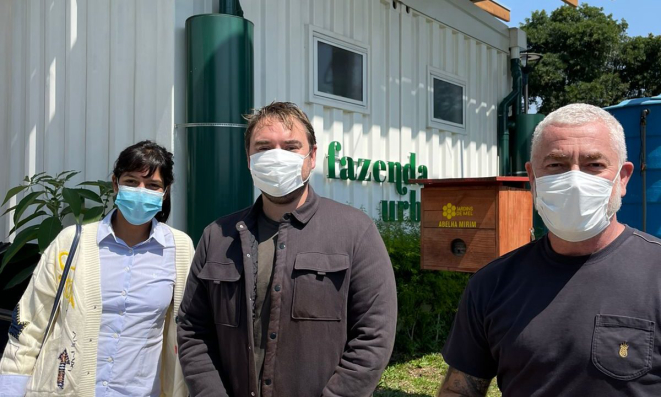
x,y
63,281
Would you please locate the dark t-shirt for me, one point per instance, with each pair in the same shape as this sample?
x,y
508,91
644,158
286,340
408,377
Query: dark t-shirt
x,y
267,236
552,325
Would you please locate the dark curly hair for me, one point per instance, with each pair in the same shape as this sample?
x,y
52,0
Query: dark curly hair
x,y
148,156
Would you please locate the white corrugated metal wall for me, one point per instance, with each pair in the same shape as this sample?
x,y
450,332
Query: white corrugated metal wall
x,y
80,80
403,43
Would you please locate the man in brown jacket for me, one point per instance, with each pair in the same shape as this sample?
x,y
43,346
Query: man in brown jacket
x,y
294,296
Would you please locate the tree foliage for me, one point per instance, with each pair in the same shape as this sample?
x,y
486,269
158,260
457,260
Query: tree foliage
x,y
589,58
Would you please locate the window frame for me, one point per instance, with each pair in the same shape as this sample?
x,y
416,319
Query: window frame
x,y
446,125
316,35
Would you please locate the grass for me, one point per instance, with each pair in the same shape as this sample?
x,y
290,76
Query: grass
x,y
417,377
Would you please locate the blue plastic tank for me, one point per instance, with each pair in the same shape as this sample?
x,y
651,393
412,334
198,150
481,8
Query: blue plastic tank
x,y
641,119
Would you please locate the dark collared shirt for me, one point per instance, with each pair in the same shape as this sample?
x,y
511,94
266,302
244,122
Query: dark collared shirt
x,y
333,306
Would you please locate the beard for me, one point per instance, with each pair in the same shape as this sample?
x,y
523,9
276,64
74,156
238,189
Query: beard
x,y
287,198
615,201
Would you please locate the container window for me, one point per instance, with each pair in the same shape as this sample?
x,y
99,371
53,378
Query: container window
x,y
447,101
338,71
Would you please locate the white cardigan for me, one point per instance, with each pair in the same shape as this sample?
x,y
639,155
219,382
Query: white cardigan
x,y
70,349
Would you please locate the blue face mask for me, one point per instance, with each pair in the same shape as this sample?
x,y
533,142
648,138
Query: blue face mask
x,y
138,205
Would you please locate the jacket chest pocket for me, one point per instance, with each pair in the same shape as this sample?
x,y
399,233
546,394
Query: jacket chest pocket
x,y
225,292
320,286
622,346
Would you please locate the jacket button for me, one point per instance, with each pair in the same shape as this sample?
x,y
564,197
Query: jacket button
x,y
267,382
282,246
286,217
252,393
273,335
277,288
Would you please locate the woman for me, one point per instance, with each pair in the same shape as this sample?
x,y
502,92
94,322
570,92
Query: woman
x,y
115,333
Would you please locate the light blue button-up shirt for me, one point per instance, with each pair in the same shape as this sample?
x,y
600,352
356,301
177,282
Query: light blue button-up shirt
x,y
137,285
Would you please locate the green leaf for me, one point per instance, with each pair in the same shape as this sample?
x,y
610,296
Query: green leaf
x,y
48,230
88,194
71,175
93,214
26,220
26,235
9,209
13,192
21,276
39,177
73,199
65,212
91,183
52,191
61,174
23,205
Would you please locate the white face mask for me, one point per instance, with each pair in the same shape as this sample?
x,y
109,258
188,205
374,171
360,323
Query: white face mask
x,y
574,205
277,172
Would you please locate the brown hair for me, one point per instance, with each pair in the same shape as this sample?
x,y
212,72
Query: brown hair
x,y
284,112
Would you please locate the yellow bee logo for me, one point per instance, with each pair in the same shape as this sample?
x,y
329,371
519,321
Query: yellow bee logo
x,y
449,211
624,350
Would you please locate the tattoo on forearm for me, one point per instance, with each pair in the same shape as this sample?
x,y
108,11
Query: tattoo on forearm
x,y
457,383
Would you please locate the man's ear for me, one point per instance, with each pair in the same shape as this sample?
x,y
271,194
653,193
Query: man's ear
x,y
625,176
313,156
531,174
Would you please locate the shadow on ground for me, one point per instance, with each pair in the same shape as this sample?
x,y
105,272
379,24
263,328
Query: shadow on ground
x,y
386,392
401,358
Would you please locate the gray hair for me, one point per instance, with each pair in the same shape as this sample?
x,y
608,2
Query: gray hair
x,y
579,114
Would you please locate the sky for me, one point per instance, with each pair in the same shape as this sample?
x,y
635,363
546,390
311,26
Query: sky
x,y
643,16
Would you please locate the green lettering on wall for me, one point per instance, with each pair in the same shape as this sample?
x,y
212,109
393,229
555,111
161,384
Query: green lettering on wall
x,y
388,211
415,210
364,167
350,171
376,170
333,149
409,169
401,207
395,176
424,172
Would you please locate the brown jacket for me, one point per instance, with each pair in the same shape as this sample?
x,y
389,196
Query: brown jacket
x,y
333,306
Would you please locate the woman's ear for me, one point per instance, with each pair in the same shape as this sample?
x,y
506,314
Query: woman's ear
x,y
115,184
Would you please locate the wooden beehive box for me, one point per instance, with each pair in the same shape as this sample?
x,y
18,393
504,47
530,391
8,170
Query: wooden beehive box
x,y
466,223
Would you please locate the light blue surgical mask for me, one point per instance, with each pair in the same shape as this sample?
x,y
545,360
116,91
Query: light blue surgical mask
x,y
138,205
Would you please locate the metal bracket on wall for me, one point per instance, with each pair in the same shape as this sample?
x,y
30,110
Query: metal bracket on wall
x,y
222,125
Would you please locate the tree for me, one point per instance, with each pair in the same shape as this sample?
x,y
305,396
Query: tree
x,y
641,66
582,57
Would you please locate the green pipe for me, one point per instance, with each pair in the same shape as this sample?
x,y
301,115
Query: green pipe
x,y
230,7
219,91
513,99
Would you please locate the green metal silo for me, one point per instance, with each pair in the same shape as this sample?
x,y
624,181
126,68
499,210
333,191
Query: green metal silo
x,y
219,91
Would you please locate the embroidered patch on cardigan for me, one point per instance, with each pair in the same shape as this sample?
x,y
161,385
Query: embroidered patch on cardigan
x,y
68,285
64,360
17,326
